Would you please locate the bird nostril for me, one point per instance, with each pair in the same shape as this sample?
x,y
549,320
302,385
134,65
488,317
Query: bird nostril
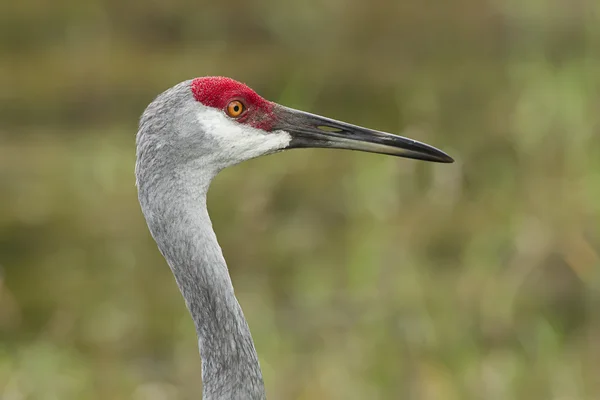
x,y
326,128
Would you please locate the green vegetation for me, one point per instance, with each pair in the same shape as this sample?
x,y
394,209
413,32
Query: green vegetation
x,y
362,276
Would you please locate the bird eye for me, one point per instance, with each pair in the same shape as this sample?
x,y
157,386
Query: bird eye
x,y
235,108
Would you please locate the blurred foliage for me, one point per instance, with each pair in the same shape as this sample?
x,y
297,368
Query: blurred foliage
x,y
362,276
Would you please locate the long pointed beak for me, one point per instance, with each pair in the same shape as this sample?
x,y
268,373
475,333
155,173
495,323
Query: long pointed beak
x,y
310,130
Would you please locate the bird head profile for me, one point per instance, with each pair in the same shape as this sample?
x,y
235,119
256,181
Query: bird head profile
x,y
222,122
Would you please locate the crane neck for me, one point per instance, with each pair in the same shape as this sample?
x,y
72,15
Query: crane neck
x,y
174,206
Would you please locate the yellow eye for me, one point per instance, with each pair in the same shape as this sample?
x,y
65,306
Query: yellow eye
x,y
235,108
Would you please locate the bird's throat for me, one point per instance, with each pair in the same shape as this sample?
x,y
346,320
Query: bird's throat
x,y
182,229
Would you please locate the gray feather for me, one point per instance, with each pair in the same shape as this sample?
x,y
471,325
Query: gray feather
x,y
175,164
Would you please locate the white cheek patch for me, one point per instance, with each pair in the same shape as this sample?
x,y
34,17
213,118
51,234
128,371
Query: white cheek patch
x,y
237,142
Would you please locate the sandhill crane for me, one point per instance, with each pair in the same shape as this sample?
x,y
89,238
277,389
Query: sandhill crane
x,y
186,136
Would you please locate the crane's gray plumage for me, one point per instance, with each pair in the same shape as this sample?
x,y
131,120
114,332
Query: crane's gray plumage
x,y
181,146
174,169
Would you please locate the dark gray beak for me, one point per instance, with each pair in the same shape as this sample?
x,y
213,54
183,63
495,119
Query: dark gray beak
x,y
309,130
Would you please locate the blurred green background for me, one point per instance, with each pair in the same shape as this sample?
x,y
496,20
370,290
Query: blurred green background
x,y
362,276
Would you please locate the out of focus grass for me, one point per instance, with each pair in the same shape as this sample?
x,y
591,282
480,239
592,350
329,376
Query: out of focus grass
x,y
362,277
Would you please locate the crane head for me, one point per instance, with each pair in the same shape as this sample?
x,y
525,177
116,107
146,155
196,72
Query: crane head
x,y
226,122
